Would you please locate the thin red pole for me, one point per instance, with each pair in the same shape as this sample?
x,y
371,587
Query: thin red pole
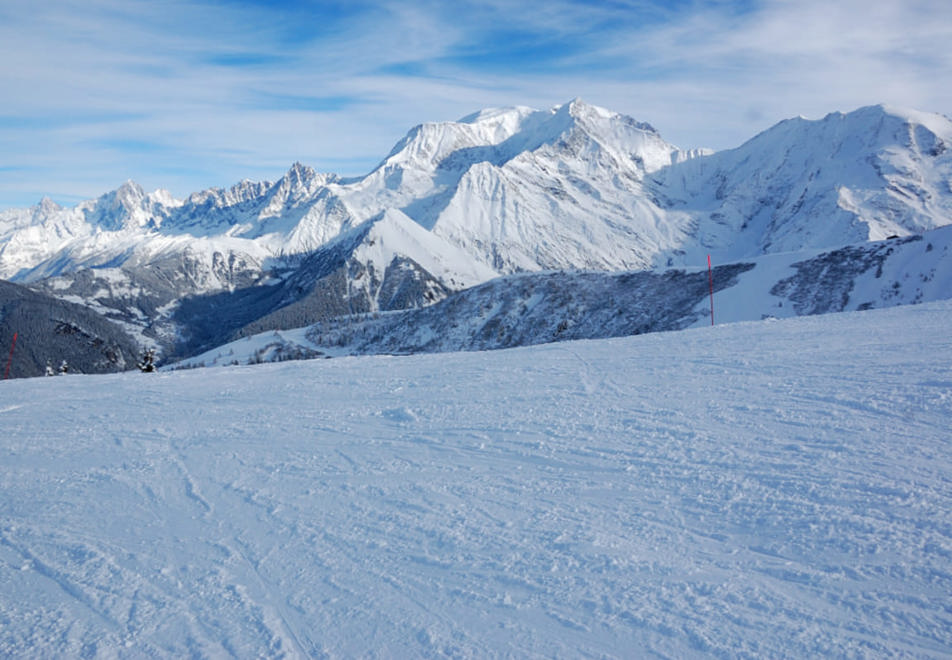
x,y
710,279
6,374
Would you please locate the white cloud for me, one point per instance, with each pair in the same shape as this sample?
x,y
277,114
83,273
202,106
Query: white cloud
x,y
222,92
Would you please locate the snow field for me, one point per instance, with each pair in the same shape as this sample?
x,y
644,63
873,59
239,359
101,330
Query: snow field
x,y
772,489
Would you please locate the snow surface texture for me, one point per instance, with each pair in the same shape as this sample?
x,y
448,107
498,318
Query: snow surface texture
x,y
770,489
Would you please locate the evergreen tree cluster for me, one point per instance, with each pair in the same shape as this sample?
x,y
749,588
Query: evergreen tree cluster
x,y
51,331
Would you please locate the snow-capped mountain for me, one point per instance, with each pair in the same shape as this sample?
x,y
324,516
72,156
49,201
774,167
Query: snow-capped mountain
x,y
847,178
526,190
456,204
518,189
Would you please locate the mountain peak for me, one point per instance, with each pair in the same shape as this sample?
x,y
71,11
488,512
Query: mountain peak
x,y
600,120
301,172
47,205
130,187
305,177
939,124
128,196
879,127
496,115
45,210
580,109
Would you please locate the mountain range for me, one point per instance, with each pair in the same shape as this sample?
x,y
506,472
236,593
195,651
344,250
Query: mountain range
x,y
502,193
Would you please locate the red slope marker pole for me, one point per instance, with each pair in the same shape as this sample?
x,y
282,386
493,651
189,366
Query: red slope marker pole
x,y
710,279
6,374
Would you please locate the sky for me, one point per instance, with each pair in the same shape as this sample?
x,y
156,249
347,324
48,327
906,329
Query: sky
x,y
186,95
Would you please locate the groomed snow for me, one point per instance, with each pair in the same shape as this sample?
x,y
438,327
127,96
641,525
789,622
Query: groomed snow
x,y
770,489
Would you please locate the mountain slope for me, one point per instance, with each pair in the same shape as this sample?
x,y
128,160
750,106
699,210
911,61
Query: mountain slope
x,y
534,308
387,263
50,331
772,490
848,178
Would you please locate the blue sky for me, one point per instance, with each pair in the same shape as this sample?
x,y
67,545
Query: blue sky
x,y
187,95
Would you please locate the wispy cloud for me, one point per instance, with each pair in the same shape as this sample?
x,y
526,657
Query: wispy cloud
x,y
186,95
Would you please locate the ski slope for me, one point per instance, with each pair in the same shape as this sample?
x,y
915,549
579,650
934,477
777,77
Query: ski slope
x,y
770,489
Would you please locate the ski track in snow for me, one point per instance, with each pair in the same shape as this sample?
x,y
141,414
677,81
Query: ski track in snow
x,y
754,490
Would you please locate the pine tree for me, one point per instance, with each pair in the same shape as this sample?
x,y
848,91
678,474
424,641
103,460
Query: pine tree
x,y
64,368
49,368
